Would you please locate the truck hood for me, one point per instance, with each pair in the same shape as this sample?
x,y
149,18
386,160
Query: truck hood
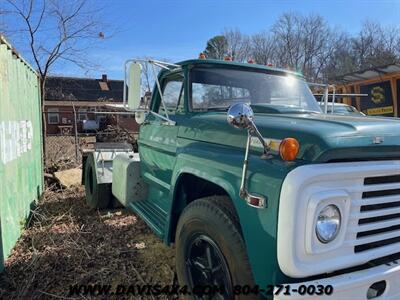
x,y
322,137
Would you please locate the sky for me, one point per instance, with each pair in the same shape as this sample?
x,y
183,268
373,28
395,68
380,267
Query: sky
x,y
179,30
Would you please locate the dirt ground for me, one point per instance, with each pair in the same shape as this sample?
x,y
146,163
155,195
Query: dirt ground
x,y
67,243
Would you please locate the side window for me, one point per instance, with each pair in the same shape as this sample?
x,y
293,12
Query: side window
x,y
82,114
53,117
173,97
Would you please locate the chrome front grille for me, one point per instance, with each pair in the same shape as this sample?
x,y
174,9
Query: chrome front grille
x,y
368,195
379,221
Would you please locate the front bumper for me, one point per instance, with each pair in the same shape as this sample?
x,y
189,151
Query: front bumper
x,y
354,285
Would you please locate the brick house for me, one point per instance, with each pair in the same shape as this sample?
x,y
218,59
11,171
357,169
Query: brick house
x,y
86,98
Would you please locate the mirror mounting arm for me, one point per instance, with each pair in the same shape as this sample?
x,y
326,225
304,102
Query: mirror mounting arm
x,y
253,130
251,199
240,116
243,190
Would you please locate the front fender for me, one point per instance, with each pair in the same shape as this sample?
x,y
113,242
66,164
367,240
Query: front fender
x,y
222,166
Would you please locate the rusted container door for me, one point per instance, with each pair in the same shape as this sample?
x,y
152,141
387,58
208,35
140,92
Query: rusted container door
x,y
21,171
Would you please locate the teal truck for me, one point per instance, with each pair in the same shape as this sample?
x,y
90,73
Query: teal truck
x,y
259,192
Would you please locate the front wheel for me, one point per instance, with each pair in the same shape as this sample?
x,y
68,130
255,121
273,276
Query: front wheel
x,y
210,250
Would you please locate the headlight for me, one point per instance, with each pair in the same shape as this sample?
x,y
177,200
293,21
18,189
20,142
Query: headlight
x,y
328,223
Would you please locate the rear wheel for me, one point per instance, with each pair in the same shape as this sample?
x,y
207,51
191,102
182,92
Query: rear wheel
x,y
210,250
97,195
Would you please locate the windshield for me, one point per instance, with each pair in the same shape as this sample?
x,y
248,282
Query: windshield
x,y
219,88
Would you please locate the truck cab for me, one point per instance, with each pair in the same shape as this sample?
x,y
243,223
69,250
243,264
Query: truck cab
x,y
261,193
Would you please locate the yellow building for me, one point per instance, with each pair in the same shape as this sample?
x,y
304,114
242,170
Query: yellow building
x,y
382,86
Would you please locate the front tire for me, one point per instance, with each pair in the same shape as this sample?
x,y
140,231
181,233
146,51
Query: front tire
x,y
210,250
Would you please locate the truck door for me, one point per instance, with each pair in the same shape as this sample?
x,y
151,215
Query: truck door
x,y
158,145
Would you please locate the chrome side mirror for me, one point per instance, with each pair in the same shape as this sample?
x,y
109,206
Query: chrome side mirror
x,y
240,115
135,73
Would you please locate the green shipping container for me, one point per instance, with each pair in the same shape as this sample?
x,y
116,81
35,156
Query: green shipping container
x,y
21,167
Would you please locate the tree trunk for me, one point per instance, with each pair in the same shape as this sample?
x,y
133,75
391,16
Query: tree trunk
x,y
44,116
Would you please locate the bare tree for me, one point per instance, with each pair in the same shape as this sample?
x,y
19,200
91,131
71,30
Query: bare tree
x,y
315,45
308,44
263,48
392,39
288,33
364,44
341,61
304,43
238,44
56,31
375,45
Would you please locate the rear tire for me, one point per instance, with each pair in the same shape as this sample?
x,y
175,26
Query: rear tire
x,y
210,250
97,195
